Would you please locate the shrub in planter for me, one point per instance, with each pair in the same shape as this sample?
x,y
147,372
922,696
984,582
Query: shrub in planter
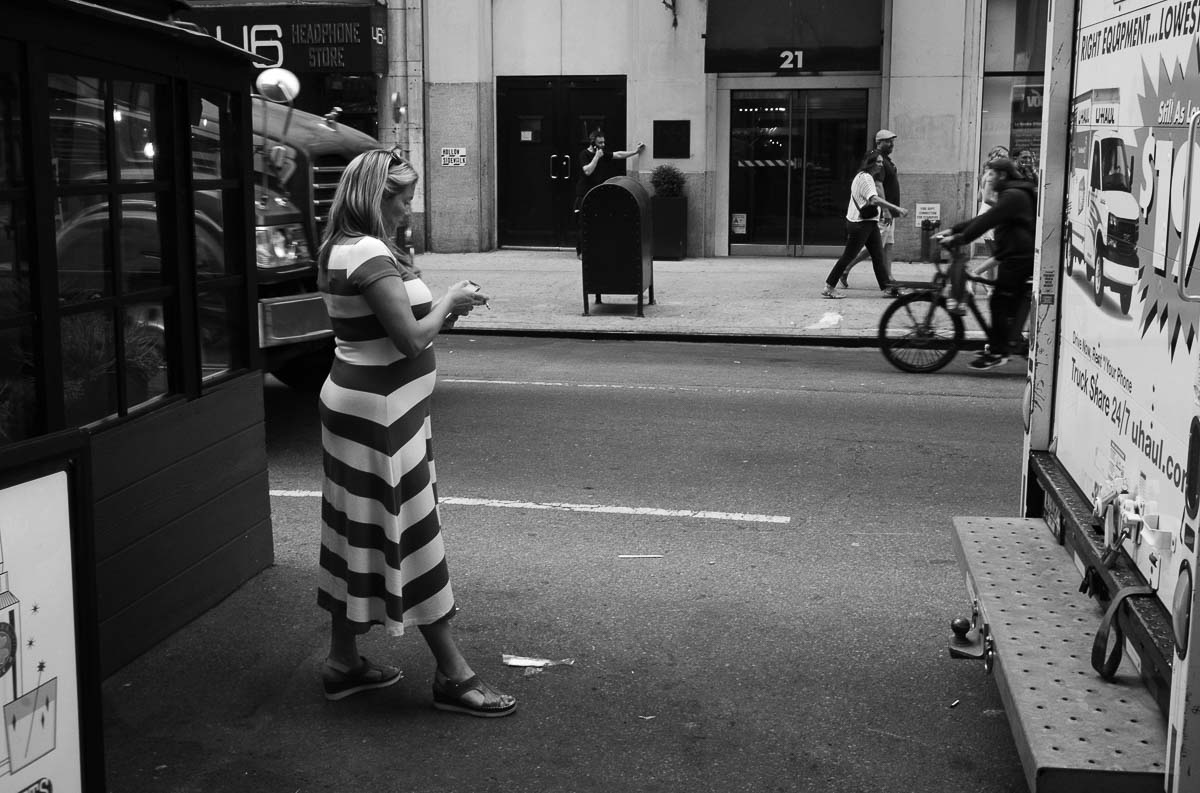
x,y
667,181
669,208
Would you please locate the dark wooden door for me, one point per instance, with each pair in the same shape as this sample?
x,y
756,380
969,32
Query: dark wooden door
x,y
542,126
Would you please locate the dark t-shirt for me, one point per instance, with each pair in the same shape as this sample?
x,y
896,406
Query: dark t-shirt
x,y
584,182
891,184
1013,217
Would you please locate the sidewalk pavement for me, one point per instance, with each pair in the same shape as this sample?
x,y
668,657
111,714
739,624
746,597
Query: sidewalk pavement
x,y
772,300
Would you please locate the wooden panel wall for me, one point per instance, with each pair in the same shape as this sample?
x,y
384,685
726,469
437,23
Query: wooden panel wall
x,y
182,515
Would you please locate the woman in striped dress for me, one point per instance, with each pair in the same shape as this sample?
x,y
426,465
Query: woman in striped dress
x,y
382,560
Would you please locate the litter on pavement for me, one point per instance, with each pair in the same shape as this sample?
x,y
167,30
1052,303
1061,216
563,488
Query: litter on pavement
x,y
541,663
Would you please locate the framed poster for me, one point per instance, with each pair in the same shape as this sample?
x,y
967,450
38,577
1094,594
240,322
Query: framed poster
x,y
49,665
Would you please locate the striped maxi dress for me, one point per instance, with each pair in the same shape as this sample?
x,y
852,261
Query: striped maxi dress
x,y
382,559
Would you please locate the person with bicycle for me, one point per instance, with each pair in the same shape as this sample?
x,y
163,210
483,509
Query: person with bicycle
x,y
1012,216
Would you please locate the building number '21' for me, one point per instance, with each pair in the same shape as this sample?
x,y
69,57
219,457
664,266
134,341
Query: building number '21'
x,y
791,60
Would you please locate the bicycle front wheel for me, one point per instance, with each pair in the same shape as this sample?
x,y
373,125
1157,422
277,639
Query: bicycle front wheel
x,y
917,333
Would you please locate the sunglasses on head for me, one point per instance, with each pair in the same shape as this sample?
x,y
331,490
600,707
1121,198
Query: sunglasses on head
x,y
397,157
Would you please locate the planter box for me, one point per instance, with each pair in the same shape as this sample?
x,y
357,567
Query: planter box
x,y
670,226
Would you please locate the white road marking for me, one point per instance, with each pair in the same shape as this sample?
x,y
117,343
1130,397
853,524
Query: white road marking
x,y
601,508
553,384
831,320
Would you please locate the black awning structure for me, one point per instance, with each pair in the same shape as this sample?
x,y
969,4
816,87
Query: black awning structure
x,y
793,36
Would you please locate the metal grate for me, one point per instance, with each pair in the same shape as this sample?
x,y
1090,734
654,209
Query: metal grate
x,y
326,173
1073,730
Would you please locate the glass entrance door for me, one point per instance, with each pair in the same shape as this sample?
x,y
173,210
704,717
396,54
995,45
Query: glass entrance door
x,y
793,154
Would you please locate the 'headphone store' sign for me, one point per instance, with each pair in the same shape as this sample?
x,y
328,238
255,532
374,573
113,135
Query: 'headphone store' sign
x,y
339,39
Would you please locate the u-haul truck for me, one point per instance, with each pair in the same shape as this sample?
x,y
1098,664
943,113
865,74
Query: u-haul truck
x,y
1102,213
1082,606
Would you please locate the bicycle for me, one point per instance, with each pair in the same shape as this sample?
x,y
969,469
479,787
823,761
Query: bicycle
x,y
920,332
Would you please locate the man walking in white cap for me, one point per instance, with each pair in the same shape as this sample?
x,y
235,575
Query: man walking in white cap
x,y
885,142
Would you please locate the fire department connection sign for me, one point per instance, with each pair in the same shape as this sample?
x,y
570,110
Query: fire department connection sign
x,y
454,156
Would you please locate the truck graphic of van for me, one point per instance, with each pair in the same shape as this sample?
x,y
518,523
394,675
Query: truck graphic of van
x,y
1102,214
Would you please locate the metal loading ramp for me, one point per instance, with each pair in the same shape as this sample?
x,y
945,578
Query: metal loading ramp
x,y
1073,730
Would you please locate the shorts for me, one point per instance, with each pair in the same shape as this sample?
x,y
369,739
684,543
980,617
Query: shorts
x,y
887,230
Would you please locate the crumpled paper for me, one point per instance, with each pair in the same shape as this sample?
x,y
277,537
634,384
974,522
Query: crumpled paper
x,y
535,663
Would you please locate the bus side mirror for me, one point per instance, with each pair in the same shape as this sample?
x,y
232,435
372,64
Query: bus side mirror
x,y
278,85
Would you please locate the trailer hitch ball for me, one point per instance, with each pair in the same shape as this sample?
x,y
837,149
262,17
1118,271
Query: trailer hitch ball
x,y
968,640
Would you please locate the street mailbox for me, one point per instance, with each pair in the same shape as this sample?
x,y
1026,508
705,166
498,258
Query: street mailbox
x,y
616,241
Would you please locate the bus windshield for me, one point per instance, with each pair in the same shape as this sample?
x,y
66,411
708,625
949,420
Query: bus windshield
x,y
1114,165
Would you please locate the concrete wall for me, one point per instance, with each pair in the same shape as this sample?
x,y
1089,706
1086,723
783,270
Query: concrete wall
x,y
460,113
671,85
931,100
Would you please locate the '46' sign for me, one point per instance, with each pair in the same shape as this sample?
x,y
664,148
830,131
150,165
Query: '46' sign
x,y
263,40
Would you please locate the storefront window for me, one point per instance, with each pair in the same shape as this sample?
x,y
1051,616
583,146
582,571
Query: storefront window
x,y
145,352
19,416
15,298
113,206
141,241
1012,114
78,142
90,324
211,112
219,326
222,298
355,94
89,367
18,385
1016,36
134,126
1014,66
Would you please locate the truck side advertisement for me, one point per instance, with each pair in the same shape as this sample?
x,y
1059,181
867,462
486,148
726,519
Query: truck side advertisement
x,y
1127,383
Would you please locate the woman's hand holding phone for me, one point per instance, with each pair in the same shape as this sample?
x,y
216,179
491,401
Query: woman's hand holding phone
x,y
465,296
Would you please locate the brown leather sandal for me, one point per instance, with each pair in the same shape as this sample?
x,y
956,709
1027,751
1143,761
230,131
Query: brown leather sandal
x,y
365,677
448,695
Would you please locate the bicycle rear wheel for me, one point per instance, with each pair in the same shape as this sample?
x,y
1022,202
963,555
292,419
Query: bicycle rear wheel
x,y
917,333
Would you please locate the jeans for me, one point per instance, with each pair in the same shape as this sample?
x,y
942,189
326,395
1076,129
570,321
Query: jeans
x,y
1012,278
864,232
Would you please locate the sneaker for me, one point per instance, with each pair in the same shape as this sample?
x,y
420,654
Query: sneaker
x,y
831,293
989,361
892,292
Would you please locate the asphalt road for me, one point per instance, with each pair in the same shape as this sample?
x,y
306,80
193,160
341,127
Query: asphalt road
x,y
794,642
745,550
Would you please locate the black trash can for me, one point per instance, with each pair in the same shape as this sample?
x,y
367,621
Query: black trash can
x,y
931,249
616,241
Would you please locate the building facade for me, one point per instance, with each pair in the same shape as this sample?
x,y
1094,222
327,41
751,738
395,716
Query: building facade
x,y
767,107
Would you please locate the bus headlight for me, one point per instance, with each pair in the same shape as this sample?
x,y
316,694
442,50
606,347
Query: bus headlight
x,y
280,246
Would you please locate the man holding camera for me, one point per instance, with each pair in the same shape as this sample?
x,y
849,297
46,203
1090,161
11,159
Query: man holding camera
x,y
591,172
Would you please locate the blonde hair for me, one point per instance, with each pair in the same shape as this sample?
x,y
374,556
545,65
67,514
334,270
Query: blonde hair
x,y
357,210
